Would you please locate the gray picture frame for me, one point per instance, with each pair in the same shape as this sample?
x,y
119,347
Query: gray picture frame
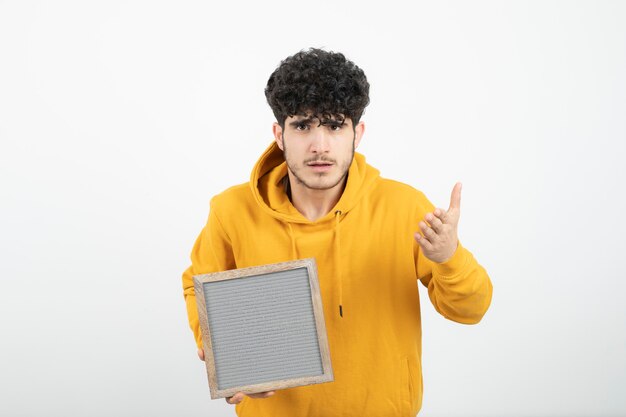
x,y
264,328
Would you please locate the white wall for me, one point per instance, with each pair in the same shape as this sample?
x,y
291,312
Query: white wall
x,y
119,120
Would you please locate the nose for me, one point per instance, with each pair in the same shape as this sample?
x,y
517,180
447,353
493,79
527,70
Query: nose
x,y
320,142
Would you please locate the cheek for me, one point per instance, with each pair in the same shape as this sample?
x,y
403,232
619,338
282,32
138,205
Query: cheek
x,y
297,149
294,152
347,146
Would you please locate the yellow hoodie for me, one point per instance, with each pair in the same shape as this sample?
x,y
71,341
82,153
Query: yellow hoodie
x,y
368,263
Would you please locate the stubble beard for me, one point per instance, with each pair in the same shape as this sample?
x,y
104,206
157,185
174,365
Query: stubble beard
x,y
344,167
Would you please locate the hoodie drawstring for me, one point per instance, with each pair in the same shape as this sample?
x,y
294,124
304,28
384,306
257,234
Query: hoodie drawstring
x,y
294,252
337,258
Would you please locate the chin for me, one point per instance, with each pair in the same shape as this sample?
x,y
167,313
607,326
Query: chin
x,y
327,184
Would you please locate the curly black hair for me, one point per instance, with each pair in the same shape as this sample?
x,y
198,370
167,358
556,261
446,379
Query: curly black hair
x,y
317,83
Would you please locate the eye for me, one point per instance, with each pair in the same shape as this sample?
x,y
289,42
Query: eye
x,y
302,126
335,128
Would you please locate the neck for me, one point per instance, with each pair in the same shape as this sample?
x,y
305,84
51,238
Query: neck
x,y
313,204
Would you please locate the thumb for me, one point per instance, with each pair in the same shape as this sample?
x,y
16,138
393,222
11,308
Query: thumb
x,y
455,197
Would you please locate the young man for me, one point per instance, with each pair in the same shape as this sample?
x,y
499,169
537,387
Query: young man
x,y
310,195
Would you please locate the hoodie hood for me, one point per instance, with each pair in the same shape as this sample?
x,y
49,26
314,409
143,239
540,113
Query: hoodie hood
x,y
269,193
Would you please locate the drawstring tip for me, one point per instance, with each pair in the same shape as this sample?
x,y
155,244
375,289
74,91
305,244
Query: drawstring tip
x,y
340,310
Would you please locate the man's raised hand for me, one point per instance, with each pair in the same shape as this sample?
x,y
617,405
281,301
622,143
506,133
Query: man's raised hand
x,y
439,239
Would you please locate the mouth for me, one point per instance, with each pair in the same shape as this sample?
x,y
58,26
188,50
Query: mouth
x,y
320,166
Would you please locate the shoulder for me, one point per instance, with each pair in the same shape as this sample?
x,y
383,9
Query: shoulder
x,y
232,197
398,197
400,192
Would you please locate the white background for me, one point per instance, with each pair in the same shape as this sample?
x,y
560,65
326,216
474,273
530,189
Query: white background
x,y
120,120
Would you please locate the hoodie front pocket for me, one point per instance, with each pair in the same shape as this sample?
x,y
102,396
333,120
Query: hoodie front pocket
x,y
413,387
410,378
406,388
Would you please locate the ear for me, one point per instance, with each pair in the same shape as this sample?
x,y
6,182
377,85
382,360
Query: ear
x,y
358,133
278,135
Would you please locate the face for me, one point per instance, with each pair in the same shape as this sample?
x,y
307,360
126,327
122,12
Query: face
x,y
318,154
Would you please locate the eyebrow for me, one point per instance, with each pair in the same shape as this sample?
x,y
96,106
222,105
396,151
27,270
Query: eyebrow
x,y
332,122
299,122
309,120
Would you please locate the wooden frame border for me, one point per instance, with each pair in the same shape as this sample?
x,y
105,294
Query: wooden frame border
x,y
318,312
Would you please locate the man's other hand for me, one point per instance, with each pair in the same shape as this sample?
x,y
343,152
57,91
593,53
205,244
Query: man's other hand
x,y
439,236
236,399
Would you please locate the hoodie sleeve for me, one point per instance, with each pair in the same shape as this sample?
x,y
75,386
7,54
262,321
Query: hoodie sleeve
x,y
212,252
459,289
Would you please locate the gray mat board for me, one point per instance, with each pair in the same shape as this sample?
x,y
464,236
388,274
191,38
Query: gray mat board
x,y
259,329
